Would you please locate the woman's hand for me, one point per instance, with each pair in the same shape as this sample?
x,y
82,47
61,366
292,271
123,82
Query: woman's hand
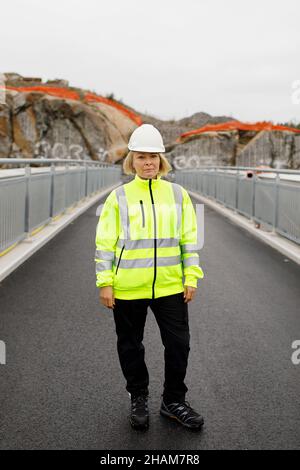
x,y
106,296
189,293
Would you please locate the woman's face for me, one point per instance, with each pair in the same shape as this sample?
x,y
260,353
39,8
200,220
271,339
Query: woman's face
x,y
146,164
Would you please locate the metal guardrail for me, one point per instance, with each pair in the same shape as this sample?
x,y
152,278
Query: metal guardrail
x,y
31,200
263,195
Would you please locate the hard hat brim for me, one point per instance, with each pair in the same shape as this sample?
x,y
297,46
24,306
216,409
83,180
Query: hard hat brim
x,y
147,149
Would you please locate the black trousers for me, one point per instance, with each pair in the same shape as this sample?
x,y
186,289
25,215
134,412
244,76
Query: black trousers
x,y
171,314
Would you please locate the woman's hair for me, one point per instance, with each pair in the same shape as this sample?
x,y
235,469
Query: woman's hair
x,y
164,166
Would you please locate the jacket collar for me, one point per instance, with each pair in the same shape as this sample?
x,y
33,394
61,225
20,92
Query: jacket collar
x,y
145,183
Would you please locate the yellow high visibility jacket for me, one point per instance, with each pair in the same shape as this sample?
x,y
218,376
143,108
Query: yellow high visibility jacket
x,y
146,240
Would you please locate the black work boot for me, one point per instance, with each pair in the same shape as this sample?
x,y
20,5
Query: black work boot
x,y
183,413
139,415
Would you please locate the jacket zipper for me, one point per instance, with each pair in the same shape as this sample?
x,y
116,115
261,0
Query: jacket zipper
x,y
155,241
120,258
143,214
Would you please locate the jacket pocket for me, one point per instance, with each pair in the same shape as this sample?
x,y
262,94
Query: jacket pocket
x,y
120,258
143,213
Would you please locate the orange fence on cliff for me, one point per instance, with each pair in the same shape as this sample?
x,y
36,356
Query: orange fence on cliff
x,y
236,126
65,93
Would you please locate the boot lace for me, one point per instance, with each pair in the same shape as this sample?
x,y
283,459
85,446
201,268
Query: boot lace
x,y
183,410
139,404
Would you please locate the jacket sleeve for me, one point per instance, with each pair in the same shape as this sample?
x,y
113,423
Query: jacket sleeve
x,y
107,233
188,243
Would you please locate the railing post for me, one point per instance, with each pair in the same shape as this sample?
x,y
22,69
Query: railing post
x,y
67,185
52,175
27,198
86,179
237,189
253,196
216,175
276,208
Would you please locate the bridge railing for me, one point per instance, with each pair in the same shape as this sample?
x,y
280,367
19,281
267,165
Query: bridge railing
x,y
32,197
267,196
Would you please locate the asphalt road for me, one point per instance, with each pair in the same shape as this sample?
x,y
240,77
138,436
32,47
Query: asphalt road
x,y
62,386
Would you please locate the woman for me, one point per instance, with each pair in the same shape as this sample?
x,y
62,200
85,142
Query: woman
x,y
146,244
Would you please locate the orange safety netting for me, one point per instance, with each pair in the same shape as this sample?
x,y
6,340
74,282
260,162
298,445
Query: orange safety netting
x,y
236,126
73,95
53,91
91,97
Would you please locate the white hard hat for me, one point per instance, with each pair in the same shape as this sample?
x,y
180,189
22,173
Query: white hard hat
x,y
146,138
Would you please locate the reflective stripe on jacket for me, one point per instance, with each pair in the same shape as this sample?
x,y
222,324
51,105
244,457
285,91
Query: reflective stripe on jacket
x,y
146,240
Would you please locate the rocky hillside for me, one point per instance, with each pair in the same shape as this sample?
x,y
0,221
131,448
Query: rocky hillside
x,y
54,120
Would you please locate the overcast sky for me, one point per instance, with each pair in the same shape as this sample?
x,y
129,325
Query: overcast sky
x,y
169,58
